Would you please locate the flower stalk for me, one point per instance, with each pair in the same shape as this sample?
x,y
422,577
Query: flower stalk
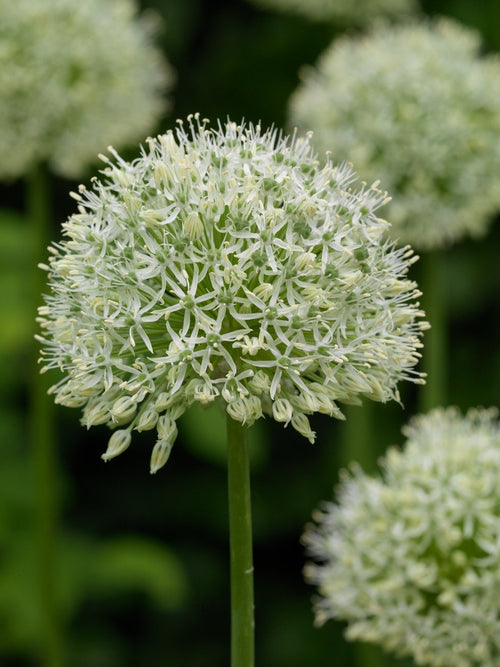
x,y
240,531
356,436
434,361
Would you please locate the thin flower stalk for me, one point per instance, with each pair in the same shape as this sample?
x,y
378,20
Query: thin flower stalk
x,y
42,431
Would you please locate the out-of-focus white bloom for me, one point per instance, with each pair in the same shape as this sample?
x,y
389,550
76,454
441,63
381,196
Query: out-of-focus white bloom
x,y
342,11
74,77
411,559
417,107
227,264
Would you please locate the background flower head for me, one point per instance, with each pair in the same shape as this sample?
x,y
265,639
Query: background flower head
x,y
411,559
75,76
226,263
419,107
342,11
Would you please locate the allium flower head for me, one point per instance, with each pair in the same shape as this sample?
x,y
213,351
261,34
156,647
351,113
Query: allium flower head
x,y
342,11
419,108
226,264
75,76
411,560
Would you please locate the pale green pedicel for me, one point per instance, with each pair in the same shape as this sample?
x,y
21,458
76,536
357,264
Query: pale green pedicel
x,y
411,559
226,264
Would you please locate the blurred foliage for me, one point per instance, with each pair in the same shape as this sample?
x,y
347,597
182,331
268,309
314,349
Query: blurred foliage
x,y
15,273
143,560
201,430
87,568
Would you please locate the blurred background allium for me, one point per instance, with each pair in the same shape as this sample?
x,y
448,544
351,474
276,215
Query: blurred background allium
x,y
428,128
76,77
410,558
142,560
226,262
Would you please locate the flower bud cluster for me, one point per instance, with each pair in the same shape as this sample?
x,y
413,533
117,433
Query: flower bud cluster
x,y
411,559
227,264
75,76
417,107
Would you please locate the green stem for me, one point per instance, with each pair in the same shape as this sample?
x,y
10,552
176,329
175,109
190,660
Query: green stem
x,y
357,436
434,354
358,444
42,436
240,537
367,655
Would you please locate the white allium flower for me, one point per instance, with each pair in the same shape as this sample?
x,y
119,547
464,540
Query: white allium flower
x,y
75,76
411,559
342,11
226,264
417,107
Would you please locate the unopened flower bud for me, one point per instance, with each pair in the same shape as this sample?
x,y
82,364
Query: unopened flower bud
x,y
147,420
282,410
193,226
117,444
123,409
167,428
301,424
159,455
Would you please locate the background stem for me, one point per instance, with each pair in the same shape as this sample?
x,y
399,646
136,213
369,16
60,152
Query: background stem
x,y
240,535
357,442
434,353
42,435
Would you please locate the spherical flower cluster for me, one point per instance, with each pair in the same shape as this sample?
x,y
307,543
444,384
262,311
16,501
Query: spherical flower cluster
x,y
355,12
226,263
418,107
411,560
75,76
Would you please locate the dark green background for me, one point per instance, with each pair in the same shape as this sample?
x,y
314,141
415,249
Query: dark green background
x,y
144,559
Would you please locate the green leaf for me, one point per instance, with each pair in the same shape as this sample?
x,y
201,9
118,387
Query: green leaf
x,y
16,274
134,563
